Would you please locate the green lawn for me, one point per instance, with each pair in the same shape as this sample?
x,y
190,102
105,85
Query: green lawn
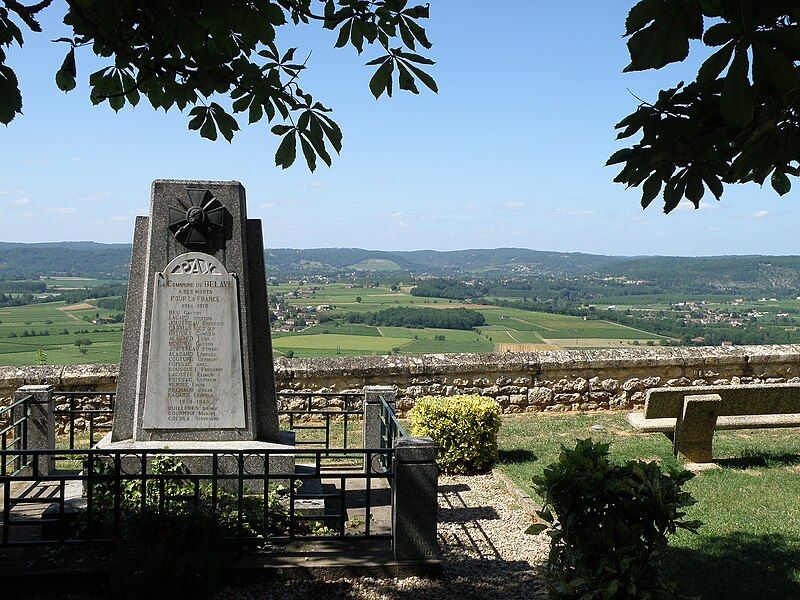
x,y
749,545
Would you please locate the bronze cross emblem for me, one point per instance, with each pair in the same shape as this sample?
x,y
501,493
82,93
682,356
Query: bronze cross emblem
x,y
194,221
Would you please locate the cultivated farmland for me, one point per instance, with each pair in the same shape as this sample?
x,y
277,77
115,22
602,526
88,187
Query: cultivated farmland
x,y
26,330
54,328
505,328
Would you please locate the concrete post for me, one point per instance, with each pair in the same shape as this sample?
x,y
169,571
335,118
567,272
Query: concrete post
x,y
41,423
414,500
694,430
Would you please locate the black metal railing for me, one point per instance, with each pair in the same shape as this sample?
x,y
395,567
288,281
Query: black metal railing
x,y
323,419
320,419
391,428
14,435
328,486
320,499
77,421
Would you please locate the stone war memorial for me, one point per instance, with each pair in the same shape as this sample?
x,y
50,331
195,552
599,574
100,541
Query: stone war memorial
x,y
196,366
440,357
196,428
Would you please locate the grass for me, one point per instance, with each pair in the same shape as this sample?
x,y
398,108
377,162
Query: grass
x,y
749,545
332,341
334,328
315,438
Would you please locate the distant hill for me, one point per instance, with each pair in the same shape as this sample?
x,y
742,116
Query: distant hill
x,y
488,261
376,264
65,259
724,273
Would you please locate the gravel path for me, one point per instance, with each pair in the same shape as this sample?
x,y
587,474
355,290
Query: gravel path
x,y
486,554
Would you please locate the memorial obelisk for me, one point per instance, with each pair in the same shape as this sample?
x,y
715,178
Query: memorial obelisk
x,y
196,361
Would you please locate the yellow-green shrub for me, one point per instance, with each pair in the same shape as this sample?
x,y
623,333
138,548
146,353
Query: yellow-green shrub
x,y
465,427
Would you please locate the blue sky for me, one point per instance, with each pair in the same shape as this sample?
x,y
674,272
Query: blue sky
x,y
509,153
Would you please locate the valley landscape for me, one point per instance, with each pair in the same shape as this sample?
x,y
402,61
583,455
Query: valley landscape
x,y
64,303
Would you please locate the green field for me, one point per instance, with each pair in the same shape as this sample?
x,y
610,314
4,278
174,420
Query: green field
x,y
75,283
513,328
505,326
54,327
16,349
376,264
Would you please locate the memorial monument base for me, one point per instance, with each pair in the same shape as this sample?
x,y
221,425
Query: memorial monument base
x,y
279,464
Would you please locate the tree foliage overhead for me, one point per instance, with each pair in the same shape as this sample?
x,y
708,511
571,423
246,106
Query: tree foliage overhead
x,y
737,122
221,60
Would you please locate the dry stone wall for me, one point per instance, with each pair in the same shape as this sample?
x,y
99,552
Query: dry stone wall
x,y
520,382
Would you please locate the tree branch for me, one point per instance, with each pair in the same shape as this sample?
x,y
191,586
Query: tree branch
x,y
26,13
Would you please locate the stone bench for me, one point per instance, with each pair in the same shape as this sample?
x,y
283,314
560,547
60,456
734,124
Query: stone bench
x,y
690,415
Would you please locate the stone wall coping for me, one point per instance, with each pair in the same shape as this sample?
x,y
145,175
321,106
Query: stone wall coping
x,y
436,364
73,376
63,375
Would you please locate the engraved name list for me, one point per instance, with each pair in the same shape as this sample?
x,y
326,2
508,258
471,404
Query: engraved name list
x,y
195,376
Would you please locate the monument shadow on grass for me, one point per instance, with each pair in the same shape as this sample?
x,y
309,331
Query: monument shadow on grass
x,y
738,565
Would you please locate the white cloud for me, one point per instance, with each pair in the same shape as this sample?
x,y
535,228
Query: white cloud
x,y
316,185
568,212
57,210
21,202
381,180
521,232
275,203
759,214
688,206
513,205
92,197
402,218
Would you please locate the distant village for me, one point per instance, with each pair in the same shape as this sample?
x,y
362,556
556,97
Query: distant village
x,y
285,317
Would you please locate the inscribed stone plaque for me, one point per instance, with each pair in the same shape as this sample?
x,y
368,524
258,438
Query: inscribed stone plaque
x,y
194,376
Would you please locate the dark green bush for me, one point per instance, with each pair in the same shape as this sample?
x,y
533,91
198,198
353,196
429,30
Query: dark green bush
x,y
609,523
173,548
167,555
176,496
464,427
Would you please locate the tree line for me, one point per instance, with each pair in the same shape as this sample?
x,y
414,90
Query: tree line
x,y
420,318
